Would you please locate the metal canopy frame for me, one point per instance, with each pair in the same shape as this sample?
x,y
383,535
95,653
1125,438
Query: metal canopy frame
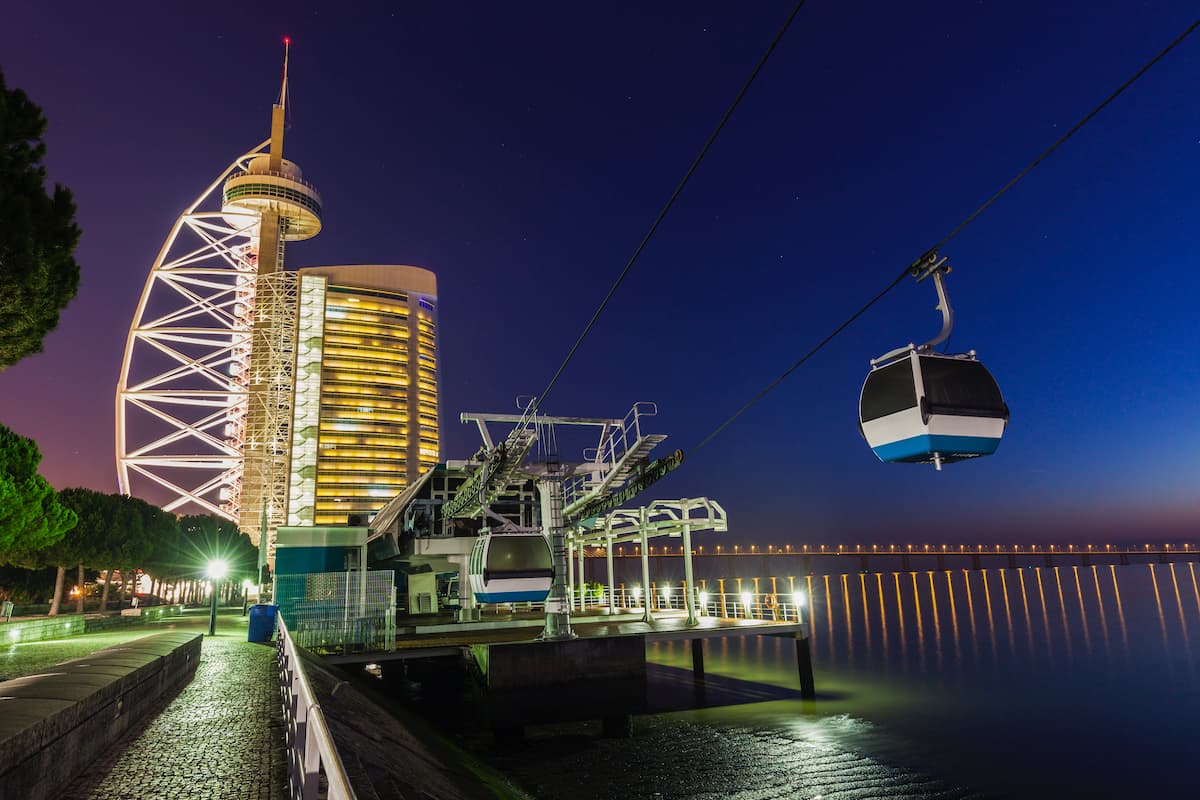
x,y
661,518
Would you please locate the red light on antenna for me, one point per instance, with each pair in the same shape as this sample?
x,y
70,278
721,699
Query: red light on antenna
x,y
287,40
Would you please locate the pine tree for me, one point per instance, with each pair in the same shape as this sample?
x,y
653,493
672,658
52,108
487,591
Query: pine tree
x,y
38,235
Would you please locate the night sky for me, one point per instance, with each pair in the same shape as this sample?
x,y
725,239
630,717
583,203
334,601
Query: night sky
x,y
521,151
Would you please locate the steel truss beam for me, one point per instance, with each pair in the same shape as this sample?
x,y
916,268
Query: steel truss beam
x,y
183,391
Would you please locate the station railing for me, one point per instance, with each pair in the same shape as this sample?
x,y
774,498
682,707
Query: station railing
x,y
311,752
766,606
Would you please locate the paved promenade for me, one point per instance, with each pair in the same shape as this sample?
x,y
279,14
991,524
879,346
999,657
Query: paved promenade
x,y
220,737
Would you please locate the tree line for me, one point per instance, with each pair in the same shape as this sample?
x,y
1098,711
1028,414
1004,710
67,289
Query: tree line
x,y
82,529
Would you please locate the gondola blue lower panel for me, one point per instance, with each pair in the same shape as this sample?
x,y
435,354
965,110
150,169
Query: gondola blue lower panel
x,y
535,596
922,448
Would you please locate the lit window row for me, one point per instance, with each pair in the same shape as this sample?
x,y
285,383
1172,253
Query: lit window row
x,y
367,415
350,467
358,294
360,352
382,441
365,404
351,314
380,342
351,377
353,393
396,411
356,479
360,427
349,451
364,304
369,330
363,474
380,492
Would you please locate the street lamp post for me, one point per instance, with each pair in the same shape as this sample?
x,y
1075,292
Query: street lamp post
x,y
217,569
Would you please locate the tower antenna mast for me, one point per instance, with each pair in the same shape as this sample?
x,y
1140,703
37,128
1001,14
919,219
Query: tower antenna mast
x,y
277,111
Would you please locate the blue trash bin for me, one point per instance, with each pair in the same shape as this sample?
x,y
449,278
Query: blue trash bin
x,y
262,622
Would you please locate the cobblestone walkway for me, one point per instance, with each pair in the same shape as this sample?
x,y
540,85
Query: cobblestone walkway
x,y
220,738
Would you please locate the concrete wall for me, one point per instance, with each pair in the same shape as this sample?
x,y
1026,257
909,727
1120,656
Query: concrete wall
x,y
67,625
578,679
37,630
54,725
95,624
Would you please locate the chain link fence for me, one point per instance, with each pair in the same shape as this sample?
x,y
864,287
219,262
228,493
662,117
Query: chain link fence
x,y
345,612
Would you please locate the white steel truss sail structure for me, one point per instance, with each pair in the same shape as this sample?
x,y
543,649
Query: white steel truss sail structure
x,y
182,394
204,401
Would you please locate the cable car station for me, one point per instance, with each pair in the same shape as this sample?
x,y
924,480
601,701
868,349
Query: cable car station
x,y
504,528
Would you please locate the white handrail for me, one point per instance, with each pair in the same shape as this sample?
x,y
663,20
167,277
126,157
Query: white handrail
x,y
309,745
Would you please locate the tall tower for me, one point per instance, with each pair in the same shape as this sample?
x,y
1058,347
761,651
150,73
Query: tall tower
x,y
204,399
288,209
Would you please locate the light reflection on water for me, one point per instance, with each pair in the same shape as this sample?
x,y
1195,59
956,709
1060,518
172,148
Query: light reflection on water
x,y
1050,682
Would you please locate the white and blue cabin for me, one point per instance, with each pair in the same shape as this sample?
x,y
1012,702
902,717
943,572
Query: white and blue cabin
x,y
927,408
511,567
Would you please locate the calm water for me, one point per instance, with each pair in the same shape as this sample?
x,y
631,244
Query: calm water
x,y
1034,682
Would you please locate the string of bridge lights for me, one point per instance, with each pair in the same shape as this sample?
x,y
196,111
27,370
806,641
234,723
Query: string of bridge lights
x,y
974,429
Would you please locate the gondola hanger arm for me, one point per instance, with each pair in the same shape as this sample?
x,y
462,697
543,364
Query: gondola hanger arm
x,y
929,265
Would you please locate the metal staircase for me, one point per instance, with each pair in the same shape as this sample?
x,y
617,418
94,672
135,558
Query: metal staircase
x,y
622,450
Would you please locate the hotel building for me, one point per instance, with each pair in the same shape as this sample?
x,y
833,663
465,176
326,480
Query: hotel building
x,y
365,409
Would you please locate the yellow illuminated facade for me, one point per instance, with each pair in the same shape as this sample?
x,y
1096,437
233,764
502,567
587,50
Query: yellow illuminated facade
x,y
368,426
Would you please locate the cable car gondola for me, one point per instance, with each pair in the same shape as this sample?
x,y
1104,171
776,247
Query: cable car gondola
x,y
511,566
922,407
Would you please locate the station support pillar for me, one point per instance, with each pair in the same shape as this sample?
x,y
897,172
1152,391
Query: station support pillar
x,y
570,553
558,602
689,594
643,525
612,598
808,688
582,582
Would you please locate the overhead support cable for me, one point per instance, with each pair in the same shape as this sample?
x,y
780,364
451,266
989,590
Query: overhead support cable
x,y
916,266
666,208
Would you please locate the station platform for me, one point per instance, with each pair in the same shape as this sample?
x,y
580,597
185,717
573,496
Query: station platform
x,y
435,637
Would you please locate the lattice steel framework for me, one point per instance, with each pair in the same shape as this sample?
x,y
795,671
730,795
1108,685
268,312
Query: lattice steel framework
x,y
267,448
182,393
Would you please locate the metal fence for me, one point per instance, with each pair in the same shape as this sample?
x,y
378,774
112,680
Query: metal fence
x,y
728,605
348,612
311,750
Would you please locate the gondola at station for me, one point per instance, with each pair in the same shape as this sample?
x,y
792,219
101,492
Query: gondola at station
x,y
484,558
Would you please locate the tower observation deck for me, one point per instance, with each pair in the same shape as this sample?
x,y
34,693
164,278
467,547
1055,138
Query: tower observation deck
x,y
204,399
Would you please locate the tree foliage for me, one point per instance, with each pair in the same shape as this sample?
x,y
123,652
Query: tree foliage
x,y
31,516
90,543
38,234
206,537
